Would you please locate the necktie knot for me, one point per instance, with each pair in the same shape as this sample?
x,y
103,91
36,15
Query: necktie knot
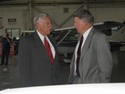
x,y
45,41
79,47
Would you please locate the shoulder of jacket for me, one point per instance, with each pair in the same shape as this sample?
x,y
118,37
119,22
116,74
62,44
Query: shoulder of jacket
x,y
27,38
98,32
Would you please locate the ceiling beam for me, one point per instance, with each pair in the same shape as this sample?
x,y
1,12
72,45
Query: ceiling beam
x,y
54,3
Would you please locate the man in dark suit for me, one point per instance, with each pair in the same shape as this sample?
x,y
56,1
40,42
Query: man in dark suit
x,y
36,66
92,59
5,49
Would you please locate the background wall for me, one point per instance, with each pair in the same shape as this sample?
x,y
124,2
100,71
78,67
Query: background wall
x,y
109,13
24,15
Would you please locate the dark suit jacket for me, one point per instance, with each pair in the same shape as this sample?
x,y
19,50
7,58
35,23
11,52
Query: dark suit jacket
x,y
6,44
35,67
96,60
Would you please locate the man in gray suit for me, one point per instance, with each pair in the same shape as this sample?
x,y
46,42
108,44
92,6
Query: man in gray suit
x,y
37,65
92,59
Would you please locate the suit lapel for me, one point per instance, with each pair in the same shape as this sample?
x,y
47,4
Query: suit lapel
x,y
39,45
87,43
53,43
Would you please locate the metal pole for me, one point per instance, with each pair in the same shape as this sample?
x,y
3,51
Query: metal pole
x,y
53,22
70,16
30,14
63,38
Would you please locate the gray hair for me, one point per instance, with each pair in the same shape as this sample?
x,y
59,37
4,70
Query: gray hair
x,y
85,15
38,17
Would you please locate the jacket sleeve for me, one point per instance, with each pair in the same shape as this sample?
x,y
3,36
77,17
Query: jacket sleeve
x,y
24,62
104,58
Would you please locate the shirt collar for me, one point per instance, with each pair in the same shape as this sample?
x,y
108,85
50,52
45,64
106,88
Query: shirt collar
x,y
87,32
40,35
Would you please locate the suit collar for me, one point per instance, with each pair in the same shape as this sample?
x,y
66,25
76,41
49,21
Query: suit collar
x,y
87,42
36,36
39,44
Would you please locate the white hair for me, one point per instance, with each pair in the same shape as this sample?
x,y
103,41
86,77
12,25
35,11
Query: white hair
x,y
38,17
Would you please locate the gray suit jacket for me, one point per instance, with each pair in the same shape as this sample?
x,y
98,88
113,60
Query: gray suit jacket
x,y
35,67
96,60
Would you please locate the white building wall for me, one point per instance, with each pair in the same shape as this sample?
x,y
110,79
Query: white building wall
x,y
11,13
57,14
109,14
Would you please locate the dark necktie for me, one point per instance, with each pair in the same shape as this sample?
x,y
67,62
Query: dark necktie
x,y
78,56
47,46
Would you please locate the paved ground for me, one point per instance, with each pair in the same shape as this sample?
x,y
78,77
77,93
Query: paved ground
x,y
9,79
